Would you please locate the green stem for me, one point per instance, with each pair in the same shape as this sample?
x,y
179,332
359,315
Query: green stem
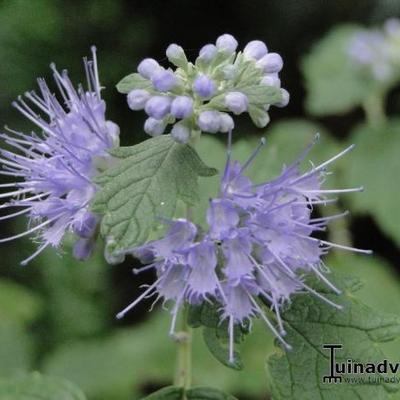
x,y
374,108
183,373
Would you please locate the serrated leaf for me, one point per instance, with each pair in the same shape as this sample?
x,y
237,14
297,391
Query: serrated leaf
x,y
259,95
205,393
133,81
167,393
145,183
375,164
310,323
333,85
219,350
37,386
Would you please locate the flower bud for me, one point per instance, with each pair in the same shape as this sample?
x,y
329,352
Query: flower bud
x,y
113,133
229,72
158,106
204,86
271,62
181,133
176,55
209,121
154,127
271,80
137,99
236,102
285,99
85,226
164,80
148,67
83,249
227,43
255,50
208,52
226,123
182,107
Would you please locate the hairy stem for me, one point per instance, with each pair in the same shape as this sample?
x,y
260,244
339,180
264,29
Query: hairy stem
x,y
183,372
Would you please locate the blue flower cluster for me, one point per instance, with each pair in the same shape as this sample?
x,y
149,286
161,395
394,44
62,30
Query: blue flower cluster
x,y
56,167
258,245
199,97
377,51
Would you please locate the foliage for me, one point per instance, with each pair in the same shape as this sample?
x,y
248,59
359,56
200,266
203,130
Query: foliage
x,y
311,324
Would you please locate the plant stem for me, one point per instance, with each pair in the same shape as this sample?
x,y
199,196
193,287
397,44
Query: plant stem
x,y
183,373
374,108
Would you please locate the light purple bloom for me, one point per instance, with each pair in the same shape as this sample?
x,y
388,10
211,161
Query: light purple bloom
x,y
208,52
226,43
285,99
270,63
158,106
181,132
263,235
236,102
57,166
182,107
255,49
137,99
204,86
209,121
154,127
148,67
164,80
226,123
271,80
176,55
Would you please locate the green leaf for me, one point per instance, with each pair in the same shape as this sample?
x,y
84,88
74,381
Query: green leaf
x,y
333,85
219,351
375,164
37,386
167,393
18,304
133,81
310,324
16,350
259,95
205,393
145,183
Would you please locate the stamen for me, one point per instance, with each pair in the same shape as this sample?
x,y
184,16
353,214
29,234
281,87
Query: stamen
x,y
138,300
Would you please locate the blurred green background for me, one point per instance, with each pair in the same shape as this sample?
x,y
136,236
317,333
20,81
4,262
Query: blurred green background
x,y
57,315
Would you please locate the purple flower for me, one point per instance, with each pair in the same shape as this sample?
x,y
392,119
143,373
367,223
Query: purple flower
x,y
164,80
158,107
270,63
236,102
271,80
226,43
209,121
181,132
148,67
255,49
154,127
208,52
176,55
56,167
204,86
182,107
259,243
137,99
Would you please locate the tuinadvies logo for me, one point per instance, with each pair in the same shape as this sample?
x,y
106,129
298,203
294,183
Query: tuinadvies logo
x,y
365,371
